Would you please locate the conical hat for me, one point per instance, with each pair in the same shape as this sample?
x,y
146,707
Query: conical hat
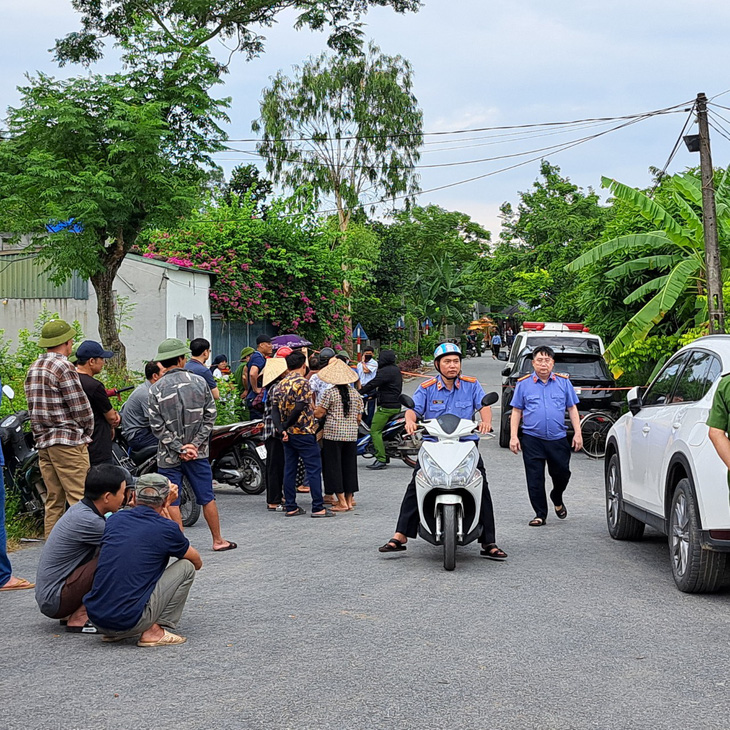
x,y
337,373
275,366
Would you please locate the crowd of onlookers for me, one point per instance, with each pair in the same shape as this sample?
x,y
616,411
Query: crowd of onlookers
x,y
105,567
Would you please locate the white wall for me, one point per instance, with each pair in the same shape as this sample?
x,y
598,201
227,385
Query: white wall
x,y
188,298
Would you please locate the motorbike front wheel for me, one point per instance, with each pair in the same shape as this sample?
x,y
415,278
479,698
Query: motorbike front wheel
x,y
189,508
448,513
253,470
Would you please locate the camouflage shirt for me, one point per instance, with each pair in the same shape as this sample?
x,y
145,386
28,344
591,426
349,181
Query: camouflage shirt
x,y
182,411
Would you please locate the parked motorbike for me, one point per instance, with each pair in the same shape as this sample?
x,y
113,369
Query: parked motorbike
x,y
21,471
398,445
448,484
238,455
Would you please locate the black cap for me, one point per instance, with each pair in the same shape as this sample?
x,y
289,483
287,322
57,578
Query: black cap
x,y
89,348
262,338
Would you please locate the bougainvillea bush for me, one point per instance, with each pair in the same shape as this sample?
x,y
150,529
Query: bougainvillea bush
x,y
279,268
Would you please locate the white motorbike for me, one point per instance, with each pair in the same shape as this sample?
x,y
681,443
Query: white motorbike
x,y
448,484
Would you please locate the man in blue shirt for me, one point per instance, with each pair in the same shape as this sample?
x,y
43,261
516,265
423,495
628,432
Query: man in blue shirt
x,y
135,593
540,401
256,364
460,395
199,355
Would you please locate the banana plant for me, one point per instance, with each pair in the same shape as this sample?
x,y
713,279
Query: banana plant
x,y
676,253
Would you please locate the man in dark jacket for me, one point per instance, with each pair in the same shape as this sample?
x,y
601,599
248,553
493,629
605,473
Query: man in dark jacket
x,y
389,384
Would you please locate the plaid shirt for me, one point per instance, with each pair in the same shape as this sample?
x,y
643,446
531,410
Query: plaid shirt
x,y
60,412
337,426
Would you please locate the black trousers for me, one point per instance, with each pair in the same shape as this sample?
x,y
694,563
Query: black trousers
x,y
408,517
274,470
536,453
339,466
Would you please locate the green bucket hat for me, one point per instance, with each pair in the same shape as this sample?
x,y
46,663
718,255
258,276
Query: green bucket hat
x,y
171,347
247,351
55,333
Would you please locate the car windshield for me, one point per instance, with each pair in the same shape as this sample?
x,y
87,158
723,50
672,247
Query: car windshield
x,y
589,344
579,367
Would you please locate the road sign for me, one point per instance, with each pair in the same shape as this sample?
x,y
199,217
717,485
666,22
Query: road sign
x,y
359,333
400,324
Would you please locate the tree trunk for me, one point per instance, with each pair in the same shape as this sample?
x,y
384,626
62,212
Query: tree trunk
x,y
103,284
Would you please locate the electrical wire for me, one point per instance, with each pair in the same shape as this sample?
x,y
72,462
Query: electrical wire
x,y
674,151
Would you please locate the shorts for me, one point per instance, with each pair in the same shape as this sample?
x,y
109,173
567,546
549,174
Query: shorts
x,y
198,473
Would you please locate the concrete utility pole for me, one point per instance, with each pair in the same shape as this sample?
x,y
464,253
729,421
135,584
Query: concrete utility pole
x,y
713,267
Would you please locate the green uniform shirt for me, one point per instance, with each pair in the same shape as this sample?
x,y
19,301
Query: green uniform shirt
x,y
720,412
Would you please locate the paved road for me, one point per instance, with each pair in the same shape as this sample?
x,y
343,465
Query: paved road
x,y
306,625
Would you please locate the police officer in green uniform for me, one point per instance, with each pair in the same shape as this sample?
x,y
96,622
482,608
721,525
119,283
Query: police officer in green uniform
x,y
719,421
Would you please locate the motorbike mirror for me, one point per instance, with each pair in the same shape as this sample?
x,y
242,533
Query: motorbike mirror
x,y
489,399
8,392
506,372
406,401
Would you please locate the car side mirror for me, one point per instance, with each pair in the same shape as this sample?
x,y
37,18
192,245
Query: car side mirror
x,y
8,392
489,399
506,372
633,398
407,401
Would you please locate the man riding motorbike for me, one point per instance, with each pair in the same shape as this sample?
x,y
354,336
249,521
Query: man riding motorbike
x,y
460,395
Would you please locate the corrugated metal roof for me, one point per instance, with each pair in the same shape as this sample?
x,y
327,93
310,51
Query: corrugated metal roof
x,y
22,277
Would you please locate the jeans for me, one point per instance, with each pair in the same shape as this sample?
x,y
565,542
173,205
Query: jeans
x,y
142,439
304,447
380,421
536,453
5,570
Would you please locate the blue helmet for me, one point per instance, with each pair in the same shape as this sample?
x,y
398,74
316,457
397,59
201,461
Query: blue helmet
x,y
446,348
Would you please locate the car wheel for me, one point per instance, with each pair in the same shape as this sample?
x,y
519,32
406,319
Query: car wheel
x,y
694,569
504,427
621,526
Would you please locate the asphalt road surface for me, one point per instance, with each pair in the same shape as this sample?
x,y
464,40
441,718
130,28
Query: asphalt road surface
x,y
306,625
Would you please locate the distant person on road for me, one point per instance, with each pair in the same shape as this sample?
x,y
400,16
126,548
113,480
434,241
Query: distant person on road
x,y
182,416
67,564
367,369
199,355
61,418
496,344
540,400
135,592
460,395
136,411
90,357
389,385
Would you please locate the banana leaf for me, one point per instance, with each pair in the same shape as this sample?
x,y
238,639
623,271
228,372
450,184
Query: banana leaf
x,y
657,239
690,187
690,218
647,263
644,289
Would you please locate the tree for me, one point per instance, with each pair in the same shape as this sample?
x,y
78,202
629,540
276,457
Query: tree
x,y
246,181
349,125
672,253
101,152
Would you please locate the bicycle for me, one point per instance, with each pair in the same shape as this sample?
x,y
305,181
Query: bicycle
x,y
595,427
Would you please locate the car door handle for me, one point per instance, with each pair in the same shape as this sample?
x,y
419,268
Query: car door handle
x,y
646,429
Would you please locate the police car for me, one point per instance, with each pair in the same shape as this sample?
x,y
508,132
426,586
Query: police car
x,y
586,369
557,335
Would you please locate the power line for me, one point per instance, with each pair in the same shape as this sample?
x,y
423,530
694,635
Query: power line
x,y
674,151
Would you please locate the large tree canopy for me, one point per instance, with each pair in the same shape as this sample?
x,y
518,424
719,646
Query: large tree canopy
x,y
190,24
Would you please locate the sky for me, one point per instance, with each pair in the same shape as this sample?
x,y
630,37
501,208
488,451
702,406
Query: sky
x,y
479,63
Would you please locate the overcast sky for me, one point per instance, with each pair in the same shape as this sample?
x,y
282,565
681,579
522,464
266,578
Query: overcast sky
x,y
479,63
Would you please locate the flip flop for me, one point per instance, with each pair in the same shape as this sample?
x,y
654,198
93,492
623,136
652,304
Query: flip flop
x,y
536,522
392,546
562,513
168,639
298,512
87,628
230,546
21,585
493,552
326,513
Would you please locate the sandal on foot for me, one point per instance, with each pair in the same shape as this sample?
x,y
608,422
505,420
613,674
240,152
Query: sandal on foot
x,y
326,513
21,585
562,513
299,511
537,522
168,639
230,546
392,546
87,628
493,552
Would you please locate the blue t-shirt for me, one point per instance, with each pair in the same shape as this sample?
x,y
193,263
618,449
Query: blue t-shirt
x,y
135,549
258,360
543,405
434,399
194,366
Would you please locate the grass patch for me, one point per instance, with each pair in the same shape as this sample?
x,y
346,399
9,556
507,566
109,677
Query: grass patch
x,y
18,525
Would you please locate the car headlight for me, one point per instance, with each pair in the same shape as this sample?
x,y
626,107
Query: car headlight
x,y
434,473
464,473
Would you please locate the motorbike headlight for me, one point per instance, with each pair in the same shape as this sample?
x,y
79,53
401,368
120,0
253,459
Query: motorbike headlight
x,y
464,473
434,473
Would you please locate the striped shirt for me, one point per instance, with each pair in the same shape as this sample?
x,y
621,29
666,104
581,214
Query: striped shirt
x,y
60,412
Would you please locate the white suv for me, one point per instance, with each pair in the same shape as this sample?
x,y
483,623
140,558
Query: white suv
x,y
555,334
661,469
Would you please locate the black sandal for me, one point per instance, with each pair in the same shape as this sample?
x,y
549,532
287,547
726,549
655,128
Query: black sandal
x,y
493,552
537,522
562,513
392,546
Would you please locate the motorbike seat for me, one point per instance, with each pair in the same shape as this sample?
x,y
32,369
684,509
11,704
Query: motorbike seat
x,y
139,457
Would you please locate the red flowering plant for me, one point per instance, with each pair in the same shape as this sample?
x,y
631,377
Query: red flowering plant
x,y
278,268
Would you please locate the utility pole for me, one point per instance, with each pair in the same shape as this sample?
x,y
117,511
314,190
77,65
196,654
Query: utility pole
x,y
713,268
